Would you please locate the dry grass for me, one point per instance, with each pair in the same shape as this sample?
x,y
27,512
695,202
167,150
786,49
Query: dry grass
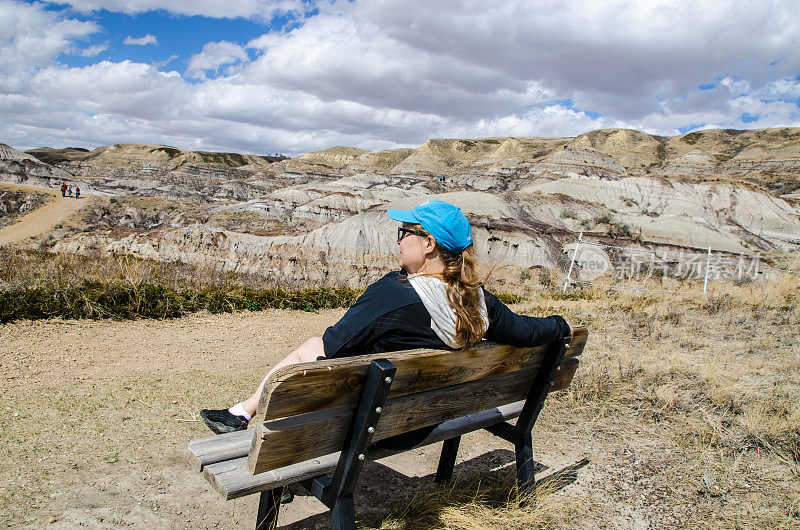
x,y
37,285
479,503
687,405
32,269
40,284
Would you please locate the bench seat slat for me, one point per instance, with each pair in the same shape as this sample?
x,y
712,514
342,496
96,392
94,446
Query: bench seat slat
x,y
232,478
282,442
218,448
336,383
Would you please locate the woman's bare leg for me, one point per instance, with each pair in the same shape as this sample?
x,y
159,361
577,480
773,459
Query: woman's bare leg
x,y
307,352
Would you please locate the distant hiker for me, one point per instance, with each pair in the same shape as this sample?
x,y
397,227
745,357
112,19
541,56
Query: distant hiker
x,y
77,192
69,191
63,189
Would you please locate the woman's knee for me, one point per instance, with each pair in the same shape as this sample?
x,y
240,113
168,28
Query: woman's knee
x,y
310,350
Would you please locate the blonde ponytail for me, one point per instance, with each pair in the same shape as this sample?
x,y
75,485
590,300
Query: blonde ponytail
x,y
463,292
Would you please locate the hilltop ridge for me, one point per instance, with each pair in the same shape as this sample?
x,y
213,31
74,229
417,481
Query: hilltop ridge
x,y
318,218
766,158
143,156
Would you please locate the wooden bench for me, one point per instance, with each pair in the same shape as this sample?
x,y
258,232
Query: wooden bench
x,y
323,417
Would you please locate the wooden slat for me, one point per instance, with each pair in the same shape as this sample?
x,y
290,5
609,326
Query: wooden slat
x,y
289,440
337,383
232,479
580,334
218,448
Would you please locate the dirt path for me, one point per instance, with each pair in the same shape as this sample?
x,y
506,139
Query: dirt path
x,y
41,220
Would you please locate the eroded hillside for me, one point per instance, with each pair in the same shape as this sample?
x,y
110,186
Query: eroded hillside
x,y
319,218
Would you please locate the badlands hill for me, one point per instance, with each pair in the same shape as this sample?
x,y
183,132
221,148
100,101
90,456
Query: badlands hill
x,y
319,218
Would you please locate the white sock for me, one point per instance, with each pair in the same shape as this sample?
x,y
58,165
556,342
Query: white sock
x,y
238,410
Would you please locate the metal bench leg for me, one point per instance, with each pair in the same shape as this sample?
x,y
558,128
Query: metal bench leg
x,y
268,506
520,434
448,459
337,492
526,479
343,514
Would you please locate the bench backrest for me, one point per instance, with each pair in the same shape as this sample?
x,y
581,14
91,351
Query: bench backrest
x,y
305,410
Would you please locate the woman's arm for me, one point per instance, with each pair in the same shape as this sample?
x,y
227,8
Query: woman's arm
x,y
507,327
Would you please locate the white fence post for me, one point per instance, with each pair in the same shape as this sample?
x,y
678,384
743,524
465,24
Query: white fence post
x,y
572,261
708,260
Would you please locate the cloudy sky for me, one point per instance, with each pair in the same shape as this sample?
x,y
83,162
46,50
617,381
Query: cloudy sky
x,y
291,76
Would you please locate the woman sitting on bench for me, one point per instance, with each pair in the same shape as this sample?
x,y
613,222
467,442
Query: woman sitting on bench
x,y
435,301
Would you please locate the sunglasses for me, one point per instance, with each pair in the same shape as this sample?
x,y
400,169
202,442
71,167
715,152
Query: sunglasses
x,y
403,232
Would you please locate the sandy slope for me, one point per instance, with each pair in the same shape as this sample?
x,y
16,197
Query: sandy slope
x,y
43,219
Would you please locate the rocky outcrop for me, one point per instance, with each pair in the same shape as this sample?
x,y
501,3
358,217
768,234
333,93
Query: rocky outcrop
x,y
319,218
694,163
19,168
353,242
333,158
758,156
636,151
722,216
379,161
14,203
353,252
109,160
741,166
162,171
573,162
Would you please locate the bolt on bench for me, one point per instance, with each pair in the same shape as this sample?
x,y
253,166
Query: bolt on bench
x,y
322,417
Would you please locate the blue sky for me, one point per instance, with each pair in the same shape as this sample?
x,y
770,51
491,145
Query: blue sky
x,y
291,76
177,37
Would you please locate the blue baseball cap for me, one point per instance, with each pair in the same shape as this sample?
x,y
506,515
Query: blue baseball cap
x,y
445,222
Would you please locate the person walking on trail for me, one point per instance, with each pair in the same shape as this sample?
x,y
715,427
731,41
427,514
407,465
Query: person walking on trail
x,y
69,191
435,301
63,189
77,192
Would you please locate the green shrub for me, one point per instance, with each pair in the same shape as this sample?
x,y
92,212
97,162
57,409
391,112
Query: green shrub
x,y
119,301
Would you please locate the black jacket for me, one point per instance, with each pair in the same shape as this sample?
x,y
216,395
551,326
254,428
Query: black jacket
x,y
390,316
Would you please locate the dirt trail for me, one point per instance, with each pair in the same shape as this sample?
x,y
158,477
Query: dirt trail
x,y
41,220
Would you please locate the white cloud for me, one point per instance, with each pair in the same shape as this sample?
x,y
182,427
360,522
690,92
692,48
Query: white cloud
x,y
31,37
383,73
488,62
785,87
165,62
93,51
208,8
128,89
141,41
214,55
